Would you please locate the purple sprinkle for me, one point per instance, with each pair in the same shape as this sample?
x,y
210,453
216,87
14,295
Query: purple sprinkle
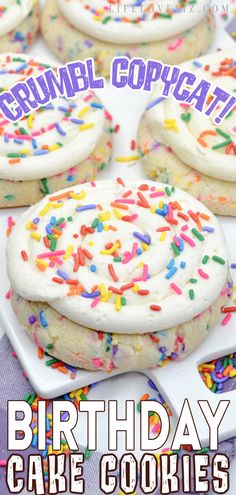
x,y
208,229
63,275
233,265
86,207
87,295
32,319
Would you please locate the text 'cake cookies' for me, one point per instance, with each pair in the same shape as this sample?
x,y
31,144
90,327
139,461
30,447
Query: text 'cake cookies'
x,y
105,29
111,275
61,144
181,146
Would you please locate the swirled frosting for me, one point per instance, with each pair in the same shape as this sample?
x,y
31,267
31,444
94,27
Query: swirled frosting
x,y
194,137
125,258
68,130
132,21
12,13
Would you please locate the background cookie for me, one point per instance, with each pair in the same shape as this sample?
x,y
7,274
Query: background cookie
x,y
78,30
97,270
194,153
64,143
19,23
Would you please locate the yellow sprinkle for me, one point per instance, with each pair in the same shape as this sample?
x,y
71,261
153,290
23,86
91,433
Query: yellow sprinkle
x,y
85,127
83,111
123,159
114,339
232,373
102,290
145,246
163,236
30,121
81,195
141,264
161,203
68,252
25,152
36,236
41,262
91,243
50,416
118,302
45,210
117,213
57,205
112,249
104,216
53,147
135,288
152,209
50,450
209,382
209,366
35,431
28,225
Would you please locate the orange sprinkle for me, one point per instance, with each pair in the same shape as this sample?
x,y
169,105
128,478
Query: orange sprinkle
x,y
40,352
60,196
13,161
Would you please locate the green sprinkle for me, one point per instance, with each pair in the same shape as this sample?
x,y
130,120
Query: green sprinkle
x,y
13,155
49,347
168,192
193,280
95,223
27,397
87,454
218,260
175,249
198,234
139,407
222,133
51,361
222,145
83,397
53,245
214,388
123,301
203,451
117,259
205,259
32,399
45,188
10,197
191,294
186,116
70,219
106,19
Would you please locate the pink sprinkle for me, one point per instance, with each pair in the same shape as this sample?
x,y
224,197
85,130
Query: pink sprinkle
x,y
137,279
51,254
51,126
108,115
93,184
145,273
176,288
184,228
3,463
52,264
188,240
156,428
97,362
170,211
175,45
134,248
14,354
4,122
202,273
8,294
10,222
24,374
95,302
157,194
87,98
128,201
226,319
176,241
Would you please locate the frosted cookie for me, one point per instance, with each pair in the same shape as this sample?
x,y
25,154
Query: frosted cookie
x,y
78,29
180,146
19,23
112,275
61,144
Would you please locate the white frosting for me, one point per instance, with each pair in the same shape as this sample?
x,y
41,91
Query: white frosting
x,y
12,13
149,269
184,142
77,144
91,21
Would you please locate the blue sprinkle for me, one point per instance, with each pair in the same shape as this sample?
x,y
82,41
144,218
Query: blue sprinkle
x,y
100,227
92,295
42,319
59,129
77,121
155,102
36,220
143,238
96,105
86,207
41,152
70,178
182,264
139,251
171,273
93,268
63,275
170,264
208,229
